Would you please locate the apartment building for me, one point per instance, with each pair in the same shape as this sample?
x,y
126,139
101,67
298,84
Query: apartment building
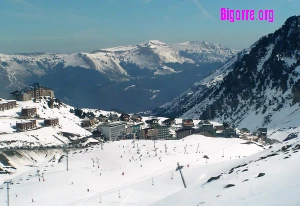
x,y
51,122
23,126
28,112
113,130
33,91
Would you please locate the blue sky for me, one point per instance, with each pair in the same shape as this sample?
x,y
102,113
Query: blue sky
x,y
67,26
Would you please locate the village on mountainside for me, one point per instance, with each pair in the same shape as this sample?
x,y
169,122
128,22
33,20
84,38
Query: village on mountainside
x,y
112,126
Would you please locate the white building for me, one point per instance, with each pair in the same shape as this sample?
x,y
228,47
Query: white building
x,y
112,130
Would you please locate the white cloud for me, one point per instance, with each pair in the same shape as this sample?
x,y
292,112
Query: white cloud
x,y
202,9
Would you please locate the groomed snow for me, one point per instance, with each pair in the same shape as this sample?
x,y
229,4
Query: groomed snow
x,y
84,184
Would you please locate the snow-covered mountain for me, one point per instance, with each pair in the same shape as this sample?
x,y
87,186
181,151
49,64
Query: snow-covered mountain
x,y
151,65
259,87
154,54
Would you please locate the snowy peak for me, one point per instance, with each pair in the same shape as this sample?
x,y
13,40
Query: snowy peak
x,y
152,55
79,76
153,43
197,45
205,51
259,87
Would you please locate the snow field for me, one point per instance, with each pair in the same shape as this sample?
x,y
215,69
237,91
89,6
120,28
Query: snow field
x,y
135,185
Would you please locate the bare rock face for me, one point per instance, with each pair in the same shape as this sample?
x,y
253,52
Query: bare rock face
x,y
229,185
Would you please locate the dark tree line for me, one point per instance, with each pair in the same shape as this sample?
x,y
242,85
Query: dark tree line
x,y
81,114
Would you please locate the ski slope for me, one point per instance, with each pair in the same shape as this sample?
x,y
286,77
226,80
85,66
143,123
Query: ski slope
x,y
270,177
147,177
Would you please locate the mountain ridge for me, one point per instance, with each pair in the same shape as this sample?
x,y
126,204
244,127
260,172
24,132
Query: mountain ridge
x,y
259,87
98,79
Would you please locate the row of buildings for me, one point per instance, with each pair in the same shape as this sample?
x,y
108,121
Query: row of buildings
x,y
31,112
26,113
112,117
31,124
153,130
120,130
205,128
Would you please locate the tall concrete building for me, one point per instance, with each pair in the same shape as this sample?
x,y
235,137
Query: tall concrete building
x,y
113,130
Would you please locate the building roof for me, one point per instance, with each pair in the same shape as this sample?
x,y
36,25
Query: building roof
x,y
29,108
29,121
262,129
187,120
135,116
169,120
15,92
112,124
51,119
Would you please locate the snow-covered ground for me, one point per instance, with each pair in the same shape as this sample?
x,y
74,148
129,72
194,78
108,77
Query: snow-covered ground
x,y
270,177
148,178
124,173
41,135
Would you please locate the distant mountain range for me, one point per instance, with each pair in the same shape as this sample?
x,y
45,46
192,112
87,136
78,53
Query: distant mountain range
x,y
259,87
130,78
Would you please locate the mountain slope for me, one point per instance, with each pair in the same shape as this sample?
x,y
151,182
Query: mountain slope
x,y
259,87
41,135
260,179
90,79
146,177
258,175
